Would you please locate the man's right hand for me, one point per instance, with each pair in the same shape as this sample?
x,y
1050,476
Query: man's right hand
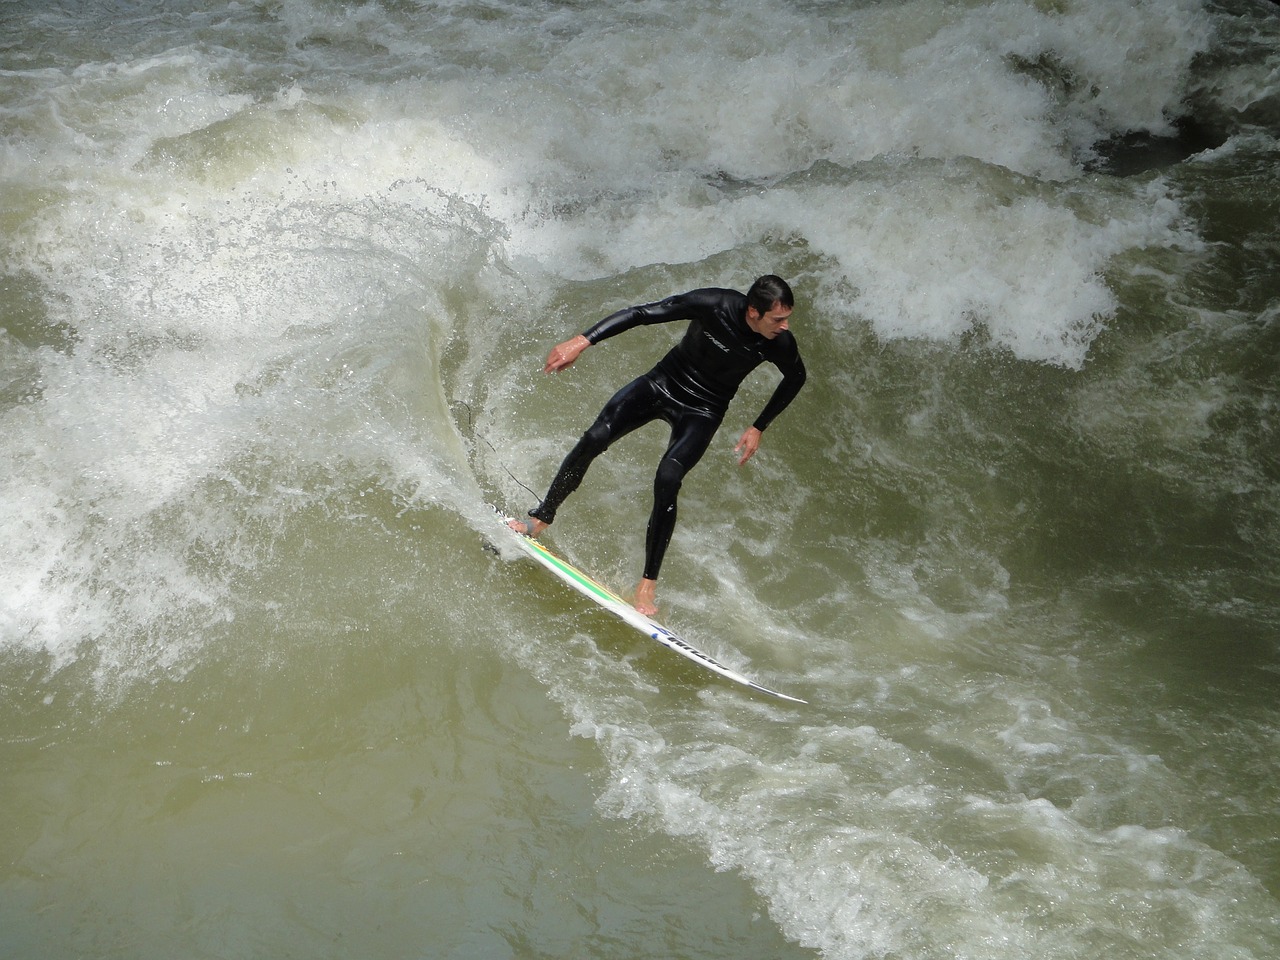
x,y
563,354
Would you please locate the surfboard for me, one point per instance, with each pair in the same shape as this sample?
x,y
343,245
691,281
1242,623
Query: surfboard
x,y
610,601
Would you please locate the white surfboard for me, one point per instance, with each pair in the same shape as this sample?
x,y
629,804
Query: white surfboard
x,y
610,601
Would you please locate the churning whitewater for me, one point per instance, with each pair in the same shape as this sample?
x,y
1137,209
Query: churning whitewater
x,y
277,281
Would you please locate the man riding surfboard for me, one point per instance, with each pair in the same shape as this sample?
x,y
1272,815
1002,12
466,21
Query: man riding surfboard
x,y
729,335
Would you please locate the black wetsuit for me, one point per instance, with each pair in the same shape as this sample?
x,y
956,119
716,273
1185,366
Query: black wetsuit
x,y
690,389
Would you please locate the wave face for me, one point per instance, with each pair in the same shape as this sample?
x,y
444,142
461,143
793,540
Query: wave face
x,y
277,279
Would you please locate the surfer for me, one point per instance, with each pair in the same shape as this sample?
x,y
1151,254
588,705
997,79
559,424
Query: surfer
x,y
729,335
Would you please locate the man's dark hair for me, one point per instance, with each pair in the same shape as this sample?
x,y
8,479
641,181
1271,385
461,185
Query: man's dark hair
x,y
767,291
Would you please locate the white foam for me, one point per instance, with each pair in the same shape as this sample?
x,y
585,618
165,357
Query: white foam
x,y
585,192
222,307
267,278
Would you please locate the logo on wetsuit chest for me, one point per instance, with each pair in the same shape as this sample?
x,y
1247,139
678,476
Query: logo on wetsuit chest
x,y
734,346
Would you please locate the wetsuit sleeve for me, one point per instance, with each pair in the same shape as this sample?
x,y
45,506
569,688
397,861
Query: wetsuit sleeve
x,y
793,378
682,306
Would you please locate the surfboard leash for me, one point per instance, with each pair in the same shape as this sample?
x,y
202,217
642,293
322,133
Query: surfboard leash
x,y
471,429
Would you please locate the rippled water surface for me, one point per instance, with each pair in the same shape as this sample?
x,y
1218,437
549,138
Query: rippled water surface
x,y
276,284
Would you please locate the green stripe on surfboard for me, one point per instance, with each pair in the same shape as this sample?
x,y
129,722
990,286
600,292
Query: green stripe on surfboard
x,y
572,571
610,601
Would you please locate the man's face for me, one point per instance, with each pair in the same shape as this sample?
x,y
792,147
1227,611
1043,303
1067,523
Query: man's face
x,y
770,324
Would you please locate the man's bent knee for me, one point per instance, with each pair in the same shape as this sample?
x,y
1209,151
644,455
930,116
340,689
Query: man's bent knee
x,y
667,481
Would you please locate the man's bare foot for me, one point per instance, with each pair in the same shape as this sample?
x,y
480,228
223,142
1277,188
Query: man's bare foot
x,y
531,528
646,598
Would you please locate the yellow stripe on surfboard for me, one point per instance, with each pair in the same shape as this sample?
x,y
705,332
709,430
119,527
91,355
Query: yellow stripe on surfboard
x,y
606,598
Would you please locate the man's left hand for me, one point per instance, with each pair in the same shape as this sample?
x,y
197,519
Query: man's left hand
x,y
748,444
